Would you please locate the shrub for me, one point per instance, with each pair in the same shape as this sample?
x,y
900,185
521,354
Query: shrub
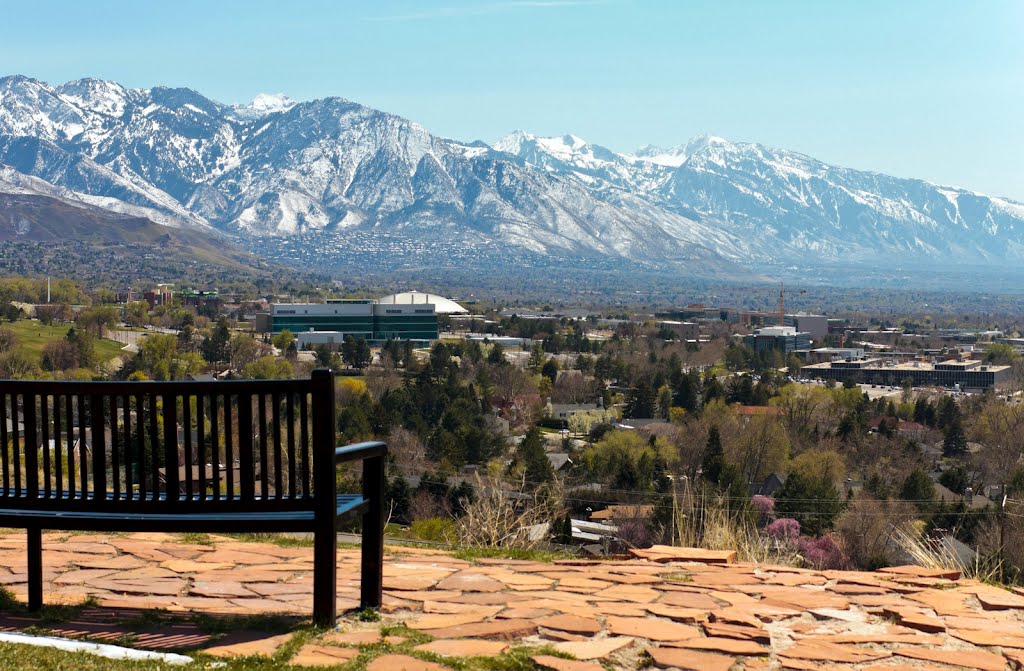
x,y
822,552
434,529
785,529
764,506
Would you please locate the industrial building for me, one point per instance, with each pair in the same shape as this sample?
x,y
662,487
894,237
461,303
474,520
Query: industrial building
x,y
360,318
684,330
786,339
815,325
969,374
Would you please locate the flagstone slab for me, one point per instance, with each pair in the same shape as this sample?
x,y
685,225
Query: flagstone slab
x,y
315,655
837,653
402,663
729,646
353,638
245,644
552,663
667,553
464,648
595,648
572,624
971,659
690,660
446,620
684,615
653,629
471,582
220,589
921,572
988,639
500,629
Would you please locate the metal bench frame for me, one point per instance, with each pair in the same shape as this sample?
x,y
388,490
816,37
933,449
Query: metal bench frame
x,y
285,480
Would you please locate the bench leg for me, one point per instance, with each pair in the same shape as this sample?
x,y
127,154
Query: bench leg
x,y
325,571
35,569
372,578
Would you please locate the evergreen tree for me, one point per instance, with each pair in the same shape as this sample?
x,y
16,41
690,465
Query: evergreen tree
x,y
641,401
812,501
215,348
955,442
550,370
918,487
531,456
713,462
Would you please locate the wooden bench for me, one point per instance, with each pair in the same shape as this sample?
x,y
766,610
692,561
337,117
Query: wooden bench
x,y
232,456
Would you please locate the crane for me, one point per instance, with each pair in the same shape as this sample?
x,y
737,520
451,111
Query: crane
x,y
782,301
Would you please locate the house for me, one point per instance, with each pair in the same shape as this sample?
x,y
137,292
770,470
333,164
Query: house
x,y
618,513
771,484
564,411
559,461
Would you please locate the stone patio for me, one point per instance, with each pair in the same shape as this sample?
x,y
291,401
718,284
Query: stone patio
x,y
670,608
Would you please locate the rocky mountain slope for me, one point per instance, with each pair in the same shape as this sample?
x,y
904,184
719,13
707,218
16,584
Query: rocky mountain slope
x,y
275,168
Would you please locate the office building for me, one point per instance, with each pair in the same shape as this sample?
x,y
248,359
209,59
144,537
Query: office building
x,y
359,318
970,374
786,339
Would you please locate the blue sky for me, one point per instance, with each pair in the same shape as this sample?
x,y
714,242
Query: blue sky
x,y
916,88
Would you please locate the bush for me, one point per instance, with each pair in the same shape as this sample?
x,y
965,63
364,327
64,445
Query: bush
x,y
764,506
786,530
434,529
823,552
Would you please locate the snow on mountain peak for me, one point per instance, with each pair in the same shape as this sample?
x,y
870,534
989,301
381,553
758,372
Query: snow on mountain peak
x,y
264,104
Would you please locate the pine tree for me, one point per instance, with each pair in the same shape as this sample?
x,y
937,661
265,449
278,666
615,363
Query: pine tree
x,y
713,462
955,443
534,460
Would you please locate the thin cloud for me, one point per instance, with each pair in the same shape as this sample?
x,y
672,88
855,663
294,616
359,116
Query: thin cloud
x,y
480,10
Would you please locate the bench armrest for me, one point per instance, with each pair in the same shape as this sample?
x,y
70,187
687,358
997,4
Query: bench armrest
x,y
360,451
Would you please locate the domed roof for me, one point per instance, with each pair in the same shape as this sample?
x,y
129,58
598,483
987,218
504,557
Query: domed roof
x,y
442,305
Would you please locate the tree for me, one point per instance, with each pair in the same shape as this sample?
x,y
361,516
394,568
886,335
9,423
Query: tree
x,y
215,348
812,501
136,314
85,343
918,488
531,457
268,368
283,340
59,355
244,349
440,357
641,401
8,339
97,319
16,364
496,355
550,370
363,355
955,442
714,457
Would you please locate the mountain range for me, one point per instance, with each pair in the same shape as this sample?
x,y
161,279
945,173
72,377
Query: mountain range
x,y
338,175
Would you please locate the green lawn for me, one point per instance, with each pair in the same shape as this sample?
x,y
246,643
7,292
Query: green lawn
x,y
33,336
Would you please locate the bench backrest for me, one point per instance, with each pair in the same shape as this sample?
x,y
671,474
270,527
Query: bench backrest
x,y
175,447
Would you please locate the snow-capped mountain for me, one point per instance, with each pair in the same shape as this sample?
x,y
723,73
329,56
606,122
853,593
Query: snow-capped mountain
x,y
276,167
792,203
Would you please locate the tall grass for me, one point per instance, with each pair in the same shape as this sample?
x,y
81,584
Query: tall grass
x,y
704,519
936,554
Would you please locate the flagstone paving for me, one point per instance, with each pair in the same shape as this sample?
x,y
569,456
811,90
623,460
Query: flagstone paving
x,y
666,608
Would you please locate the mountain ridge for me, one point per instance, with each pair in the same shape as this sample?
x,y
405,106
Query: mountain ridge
x,y
274,168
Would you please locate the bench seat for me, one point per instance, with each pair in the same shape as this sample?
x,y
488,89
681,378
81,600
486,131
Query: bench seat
x,y
23,514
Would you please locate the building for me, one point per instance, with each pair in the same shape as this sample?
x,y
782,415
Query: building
x,y
359,318
823,354
442,305
786,339
816,325
970,374
684,330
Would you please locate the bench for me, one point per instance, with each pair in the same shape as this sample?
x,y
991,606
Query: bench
x,y
227,456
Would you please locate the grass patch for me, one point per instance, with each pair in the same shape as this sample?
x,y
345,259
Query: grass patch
x,y
522,554
197,539
280,540
33,336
